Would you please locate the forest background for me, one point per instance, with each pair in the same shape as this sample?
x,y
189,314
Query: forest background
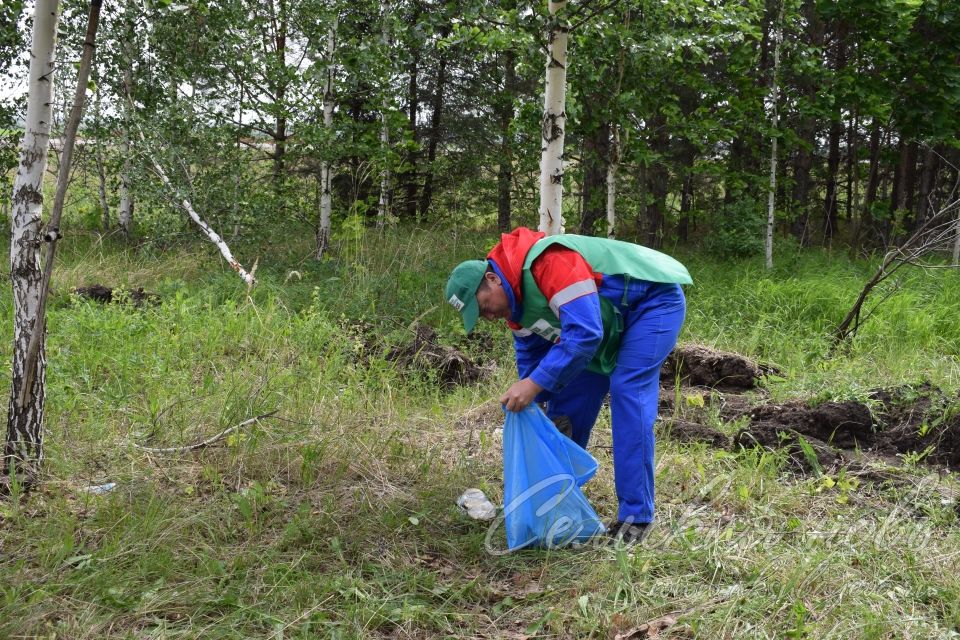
x,y
354,152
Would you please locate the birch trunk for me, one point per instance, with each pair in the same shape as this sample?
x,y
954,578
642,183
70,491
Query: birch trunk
x,y
323,231
101,171
612,165
24,444
33,364
956,243
125,212
208,231
554,122
774,98
383,206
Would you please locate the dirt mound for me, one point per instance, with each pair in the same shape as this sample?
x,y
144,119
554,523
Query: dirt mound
x,y
686,431
106,295
701,366
920,420
424,353
802,449
846,425
910,420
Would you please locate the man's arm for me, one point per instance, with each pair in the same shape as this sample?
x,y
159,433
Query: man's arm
x,y
570,286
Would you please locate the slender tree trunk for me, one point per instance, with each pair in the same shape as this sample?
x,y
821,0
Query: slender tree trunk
x,y
207,230
806,134
613,156
409,176
904,182
280,91
125,211
775,118
24,445
852,168
554,122
383,206
687,156
595,160
323,229
643,195
436,118
503,105
101,171
612,164
658,181
873,182
853,185
34,362
956,242
830,205
928,174
800,198
831,208
686,206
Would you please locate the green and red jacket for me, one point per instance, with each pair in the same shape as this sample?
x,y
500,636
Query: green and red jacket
x,y
567,294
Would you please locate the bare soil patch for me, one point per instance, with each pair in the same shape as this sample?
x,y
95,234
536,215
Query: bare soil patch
x,y
106,295
425,353
699,366
913,420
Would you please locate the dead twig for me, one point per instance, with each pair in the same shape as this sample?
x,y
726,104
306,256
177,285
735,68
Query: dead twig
x,y
929,237
205,443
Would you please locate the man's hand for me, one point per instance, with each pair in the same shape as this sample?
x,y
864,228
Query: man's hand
x,y
520,394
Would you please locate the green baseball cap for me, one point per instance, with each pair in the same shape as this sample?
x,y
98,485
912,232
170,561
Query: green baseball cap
x,y
462,290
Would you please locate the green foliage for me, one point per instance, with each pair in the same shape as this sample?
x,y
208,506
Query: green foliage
x,y
739,231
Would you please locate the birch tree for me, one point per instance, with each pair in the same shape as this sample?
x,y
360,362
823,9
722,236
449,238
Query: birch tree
x,y
125,210
383,206
323,230
612,165
613,162
24,444
554,122
774,99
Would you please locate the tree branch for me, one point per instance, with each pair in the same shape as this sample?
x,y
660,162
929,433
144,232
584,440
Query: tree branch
x,y
204,443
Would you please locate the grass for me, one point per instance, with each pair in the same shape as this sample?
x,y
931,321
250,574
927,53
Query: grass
x,y
336,518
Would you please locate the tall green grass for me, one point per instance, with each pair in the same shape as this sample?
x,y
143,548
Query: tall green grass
x,y
336,517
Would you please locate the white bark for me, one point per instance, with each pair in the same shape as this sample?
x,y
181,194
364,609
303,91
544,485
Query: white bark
x,y
554,122
323,231
101,170
612,165
52,233
206,228
24,423
383,207
956,243
774,98
125,212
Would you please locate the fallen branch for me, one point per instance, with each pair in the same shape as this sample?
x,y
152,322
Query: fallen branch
x,y
187,206
934,234
213,236
205,443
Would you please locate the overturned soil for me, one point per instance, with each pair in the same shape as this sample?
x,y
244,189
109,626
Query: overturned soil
x,y
699,366
919,421
106,295
424,353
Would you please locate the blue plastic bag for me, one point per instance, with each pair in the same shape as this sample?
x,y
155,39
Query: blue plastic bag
x,y
543,471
